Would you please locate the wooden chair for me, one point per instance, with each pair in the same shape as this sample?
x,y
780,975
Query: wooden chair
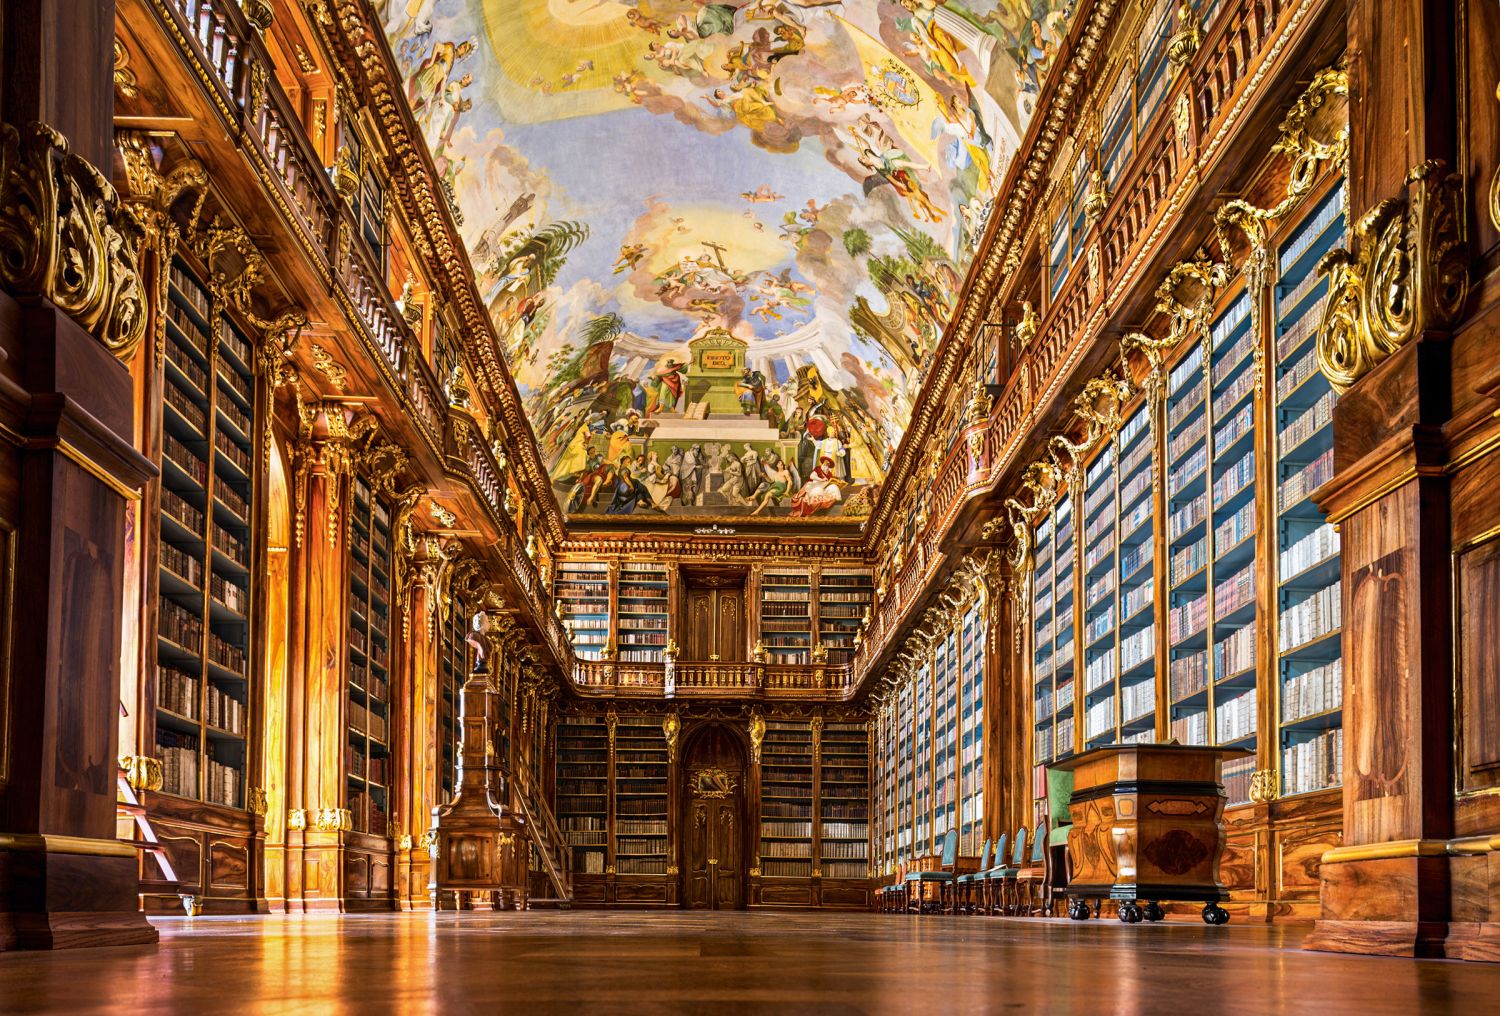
x,y
1033,877
1059,825
964,891
918,881
984,880
1002,879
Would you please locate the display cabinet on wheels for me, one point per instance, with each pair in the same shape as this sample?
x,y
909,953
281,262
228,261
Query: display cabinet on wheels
x,y
1148,828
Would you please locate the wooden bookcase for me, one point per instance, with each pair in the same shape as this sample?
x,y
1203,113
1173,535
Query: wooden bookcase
x,y
642,795
945,704
786,801
204,580
843,831
453,670
971,727
786,615
844,595
642,617
582,590
369,688
583,791
1053,644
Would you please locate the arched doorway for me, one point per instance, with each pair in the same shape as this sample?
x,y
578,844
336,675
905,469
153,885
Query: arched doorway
x,y
713,818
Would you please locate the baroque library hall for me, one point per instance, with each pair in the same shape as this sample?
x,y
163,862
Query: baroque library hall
x,y
674,506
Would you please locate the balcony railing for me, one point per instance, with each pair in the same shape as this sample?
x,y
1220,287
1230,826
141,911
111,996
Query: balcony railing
x,y
606,678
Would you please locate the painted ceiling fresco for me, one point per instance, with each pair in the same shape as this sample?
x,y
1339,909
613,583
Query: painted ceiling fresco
x,y
720,241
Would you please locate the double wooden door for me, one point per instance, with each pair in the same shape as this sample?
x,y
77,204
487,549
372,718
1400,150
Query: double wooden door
x,y
714,823
715,623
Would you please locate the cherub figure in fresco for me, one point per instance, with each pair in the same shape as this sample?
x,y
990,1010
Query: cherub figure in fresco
x,y
632,85
895,167
838,100
630,256
761,194
430,79
636,19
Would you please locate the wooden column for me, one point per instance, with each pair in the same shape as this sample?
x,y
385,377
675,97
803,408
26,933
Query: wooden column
x,y
415,776
70,469
1386,889
317,815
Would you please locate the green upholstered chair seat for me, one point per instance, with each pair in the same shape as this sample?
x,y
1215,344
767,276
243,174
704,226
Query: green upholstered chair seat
x,y
929,876
995,873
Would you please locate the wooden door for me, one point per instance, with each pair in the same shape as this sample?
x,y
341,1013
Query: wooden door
x,y
715,623
714,822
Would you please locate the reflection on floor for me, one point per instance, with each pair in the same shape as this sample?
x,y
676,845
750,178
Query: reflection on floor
x,y
729,963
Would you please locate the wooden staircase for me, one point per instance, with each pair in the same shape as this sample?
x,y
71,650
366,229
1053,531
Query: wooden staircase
x,y
549,845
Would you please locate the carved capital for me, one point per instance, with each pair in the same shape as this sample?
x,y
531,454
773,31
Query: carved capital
x,y
296,819
1405,272
256,801
329,820
142,772
64,237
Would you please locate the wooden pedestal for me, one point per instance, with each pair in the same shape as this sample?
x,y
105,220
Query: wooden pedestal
x,y
1148,825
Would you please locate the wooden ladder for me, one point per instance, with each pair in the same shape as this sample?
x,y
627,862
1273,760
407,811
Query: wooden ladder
x,y
546,837
128,806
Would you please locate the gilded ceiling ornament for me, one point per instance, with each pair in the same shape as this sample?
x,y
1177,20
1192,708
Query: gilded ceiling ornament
x,y
1189,36
671,727
757,736
329,368
259,13
64,236
1408,273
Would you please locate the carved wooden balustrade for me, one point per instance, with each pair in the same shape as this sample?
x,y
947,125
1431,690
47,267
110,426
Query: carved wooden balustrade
x,y
810,682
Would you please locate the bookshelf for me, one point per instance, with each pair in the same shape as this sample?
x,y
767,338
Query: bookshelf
x,y
368,751
1233,693
922,763
1053,635
843,597
582,774
786,622
1100,602
889,736
582,594
971,723
453,671
905,769
203,562
1188,547
641,797
945,737
641,625
786,805
844,801
1308,667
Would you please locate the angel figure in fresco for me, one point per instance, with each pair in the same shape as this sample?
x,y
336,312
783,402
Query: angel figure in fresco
x,y
761,194
821,491
409,18
750,104
429,80
965,143
630,256
895,167
935,46
838,100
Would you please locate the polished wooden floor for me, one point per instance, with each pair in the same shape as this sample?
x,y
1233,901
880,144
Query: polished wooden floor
x,y
726,964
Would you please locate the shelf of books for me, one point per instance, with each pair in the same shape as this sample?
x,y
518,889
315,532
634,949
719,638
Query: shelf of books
x,y
1053,642
905,767
888,780
844,801
786,805
368,751
922,763
786,623
971,724
1307,590
453,671
641,797
582,594
843,597
641,613
1231,534
583,790
204,583
1100,608
945,737
1187,547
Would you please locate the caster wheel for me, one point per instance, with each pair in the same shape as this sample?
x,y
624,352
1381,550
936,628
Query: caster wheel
x,y
1130,913
1215,914
1078,910
1154,912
